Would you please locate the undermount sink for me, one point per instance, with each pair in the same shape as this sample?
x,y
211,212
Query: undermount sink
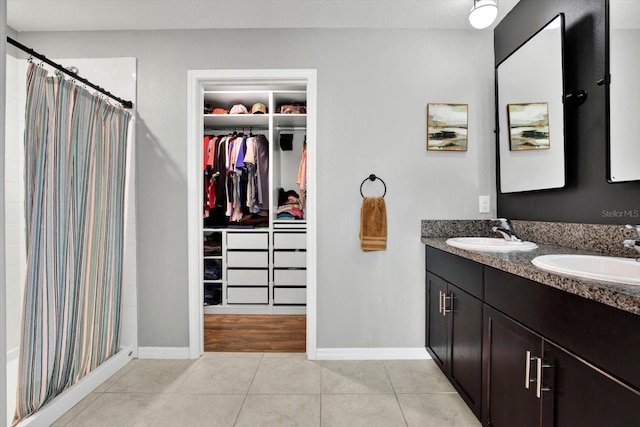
x,y
603,268
489,244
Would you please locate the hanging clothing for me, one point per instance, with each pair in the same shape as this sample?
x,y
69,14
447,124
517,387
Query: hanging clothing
x,y
209,184
302,172
262,154
236,179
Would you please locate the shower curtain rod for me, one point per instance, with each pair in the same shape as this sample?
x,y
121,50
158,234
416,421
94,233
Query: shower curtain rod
x,y
125,104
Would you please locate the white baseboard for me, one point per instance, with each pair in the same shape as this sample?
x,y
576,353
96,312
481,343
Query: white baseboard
x,y
391,353
163,352
66,400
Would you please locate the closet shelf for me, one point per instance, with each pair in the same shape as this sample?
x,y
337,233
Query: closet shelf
x,y
290,120
225,99
239,120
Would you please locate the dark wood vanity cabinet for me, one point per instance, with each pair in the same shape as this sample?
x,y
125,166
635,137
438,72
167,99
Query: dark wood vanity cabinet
x,y
437,322
454,326
581,355
582,395
530,381
548,357
510,362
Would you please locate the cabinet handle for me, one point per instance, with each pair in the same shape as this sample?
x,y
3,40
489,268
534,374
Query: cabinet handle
x,y
444,304
539,388
440,302
527,369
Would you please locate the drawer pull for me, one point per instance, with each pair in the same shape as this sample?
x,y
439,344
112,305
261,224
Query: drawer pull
x,y
527,369
446,297
539,388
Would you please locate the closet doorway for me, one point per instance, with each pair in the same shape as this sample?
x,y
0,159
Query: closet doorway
x,y
252,205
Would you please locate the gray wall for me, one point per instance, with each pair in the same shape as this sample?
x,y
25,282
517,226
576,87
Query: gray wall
x,y
373,87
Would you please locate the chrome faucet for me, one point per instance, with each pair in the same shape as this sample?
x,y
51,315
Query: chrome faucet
x,y
506,230
633,244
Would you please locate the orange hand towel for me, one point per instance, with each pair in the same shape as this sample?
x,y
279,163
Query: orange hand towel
x,y
373,224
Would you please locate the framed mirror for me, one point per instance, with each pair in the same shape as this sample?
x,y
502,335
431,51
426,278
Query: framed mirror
x,y
530,109
624,91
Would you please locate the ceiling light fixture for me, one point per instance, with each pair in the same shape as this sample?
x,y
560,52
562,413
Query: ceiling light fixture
x,y
483,13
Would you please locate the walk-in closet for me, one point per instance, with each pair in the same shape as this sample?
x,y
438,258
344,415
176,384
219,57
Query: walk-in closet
x,y
250,208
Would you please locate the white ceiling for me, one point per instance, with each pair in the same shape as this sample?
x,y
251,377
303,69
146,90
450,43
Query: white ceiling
x,y
87,15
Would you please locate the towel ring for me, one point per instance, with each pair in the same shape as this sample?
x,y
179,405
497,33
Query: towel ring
x,y
372,177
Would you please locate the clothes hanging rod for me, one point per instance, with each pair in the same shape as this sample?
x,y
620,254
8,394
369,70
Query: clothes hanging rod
x,y
238,128
124,103
225,128
291,129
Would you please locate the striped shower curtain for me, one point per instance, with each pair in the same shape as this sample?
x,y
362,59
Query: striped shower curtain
x,y
75,152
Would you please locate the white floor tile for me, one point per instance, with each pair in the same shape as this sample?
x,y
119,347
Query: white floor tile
x,y
263,389
361,410
287,375
205,410
121,409
152,376
417,376
355,376
224,375
281,410
436,410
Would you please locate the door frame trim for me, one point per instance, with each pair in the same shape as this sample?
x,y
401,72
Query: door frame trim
x,y
197,79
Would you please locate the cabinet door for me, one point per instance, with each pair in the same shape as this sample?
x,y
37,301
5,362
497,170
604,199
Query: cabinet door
x,y
508,350
581,395
466,346
436,322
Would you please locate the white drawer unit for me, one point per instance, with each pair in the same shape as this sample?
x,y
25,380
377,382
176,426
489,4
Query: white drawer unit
x,y
247,277
283,240
289,296
248,295
247,259
284,259
289,277
247,241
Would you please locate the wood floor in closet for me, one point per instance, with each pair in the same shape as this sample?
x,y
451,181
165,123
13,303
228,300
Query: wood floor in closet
x,y
255,333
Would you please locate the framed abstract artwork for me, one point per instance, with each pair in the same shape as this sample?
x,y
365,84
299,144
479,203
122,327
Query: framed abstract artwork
x,y
528,126
447,127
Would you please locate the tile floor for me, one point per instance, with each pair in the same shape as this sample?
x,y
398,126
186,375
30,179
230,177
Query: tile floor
x,y
272,389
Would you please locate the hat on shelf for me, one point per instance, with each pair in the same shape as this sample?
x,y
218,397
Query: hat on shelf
x,y
259,108
220,111
238,109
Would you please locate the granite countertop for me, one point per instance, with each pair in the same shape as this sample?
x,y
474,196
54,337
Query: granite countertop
x,y
621,296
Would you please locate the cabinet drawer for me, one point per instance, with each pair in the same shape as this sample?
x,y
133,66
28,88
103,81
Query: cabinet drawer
x,y
289,259
248,295
247,241
289,277
247,277
248,259
464,273
290,240
296,296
